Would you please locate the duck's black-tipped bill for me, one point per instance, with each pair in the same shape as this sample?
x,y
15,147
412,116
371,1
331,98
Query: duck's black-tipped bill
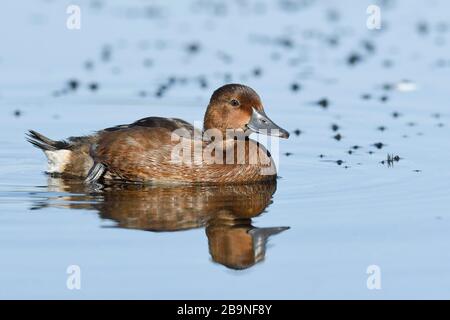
x,y
261,123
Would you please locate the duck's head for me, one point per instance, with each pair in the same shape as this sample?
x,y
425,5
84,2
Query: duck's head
x,y
235,106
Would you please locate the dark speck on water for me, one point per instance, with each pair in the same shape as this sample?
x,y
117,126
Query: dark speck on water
x,y
295,87
203,83
353,59
379,145
323,103
93,86
391,159
338,137
387,87
369,46
147,62
297,132
257,72
106,53
384,98
423,28
387,63
193,47
73,84
89,65
285,42
334,127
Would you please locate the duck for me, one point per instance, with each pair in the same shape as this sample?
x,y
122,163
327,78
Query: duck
x,y
157,150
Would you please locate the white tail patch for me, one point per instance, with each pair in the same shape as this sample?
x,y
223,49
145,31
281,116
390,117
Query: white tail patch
x,y
57,160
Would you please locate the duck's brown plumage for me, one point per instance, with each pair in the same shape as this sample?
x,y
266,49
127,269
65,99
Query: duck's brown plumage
x,y
143,151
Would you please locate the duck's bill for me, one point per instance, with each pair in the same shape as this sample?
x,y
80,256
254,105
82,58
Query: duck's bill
x,y
261,123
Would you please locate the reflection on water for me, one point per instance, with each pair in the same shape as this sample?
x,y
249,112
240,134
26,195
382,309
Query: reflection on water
x,y
225,212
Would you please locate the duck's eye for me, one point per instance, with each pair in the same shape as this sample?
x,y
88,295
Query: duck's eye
x,y
234,103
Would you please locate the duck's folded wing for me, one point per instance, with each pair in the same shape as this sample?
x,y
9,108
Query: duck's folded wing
x,y
137,153
170,124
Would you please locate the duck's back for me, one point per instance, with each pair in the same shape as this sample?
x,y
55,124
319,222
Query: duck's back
x,y
71,157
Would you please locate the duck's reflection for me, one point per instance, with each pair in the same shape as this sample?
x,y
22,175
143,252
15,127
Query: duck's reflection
x,y
224,211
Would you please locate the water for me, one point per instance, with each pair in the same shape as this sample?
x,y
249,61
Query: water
x,y
209,242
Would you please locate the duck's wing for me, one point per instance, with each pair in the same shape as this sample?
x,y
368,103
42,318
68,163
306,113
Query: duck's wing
x,y
170,124
141,150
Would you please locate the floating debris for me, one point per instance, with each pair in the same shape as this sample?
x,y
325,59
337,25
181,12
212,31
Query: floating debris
x,y
257,72
436,115
203,83
405,86
384,98
93,86
73,84
147,62
88,65
285,42
295,87
391,159
387,63
368,46
193,48
422,28
334,127
387,87
106,53
353,59
324,103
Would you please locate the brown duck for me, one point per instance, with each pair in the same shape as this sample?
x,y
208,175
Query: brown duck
x,y
168,150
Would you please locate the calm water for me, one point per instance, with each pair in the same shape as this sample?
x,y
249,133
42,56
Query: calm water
x,y
365,181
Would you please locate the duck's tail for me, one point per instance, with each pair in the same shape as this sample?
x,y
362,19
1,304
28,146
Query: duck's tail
x,y
58,153
42,142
